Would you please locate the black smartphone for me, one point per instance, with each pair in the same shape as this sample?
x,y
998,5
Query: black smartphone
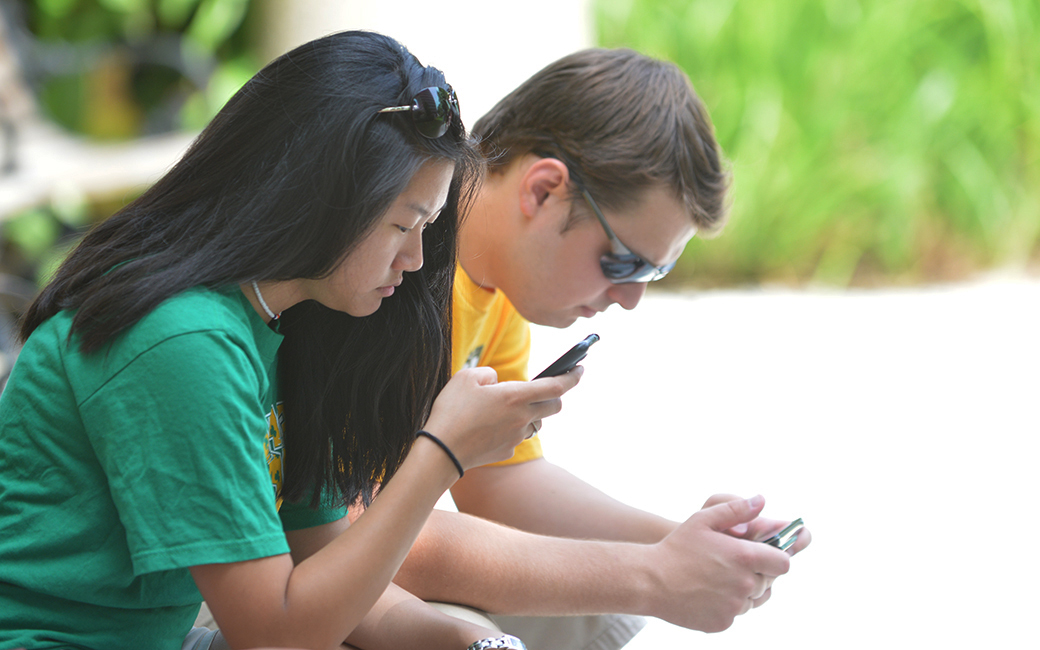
x,y
570,358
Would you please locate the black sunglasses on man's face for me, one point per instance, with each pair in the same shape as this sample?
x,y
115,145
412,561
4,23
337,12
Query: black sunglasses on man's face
x,y
621,265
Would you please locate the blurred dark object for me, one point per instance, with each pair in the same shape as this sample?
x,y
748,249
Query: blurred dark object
x,y
119,70
45,165
16,102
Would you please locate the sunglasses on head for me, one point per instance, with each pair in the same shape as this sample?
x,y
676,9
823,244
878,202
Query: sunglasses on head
x,y
433,110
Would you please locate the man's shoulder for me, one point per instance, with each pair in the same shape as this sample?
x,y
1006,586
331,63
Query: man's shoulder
x,y
471,300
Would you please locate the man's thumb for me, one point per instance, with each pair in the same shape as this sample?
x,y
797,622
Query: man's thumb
x,y
739,511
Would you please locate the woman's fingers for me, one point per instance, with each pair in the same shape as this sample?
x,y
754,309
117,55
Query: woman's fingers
x,y
482,420
556,386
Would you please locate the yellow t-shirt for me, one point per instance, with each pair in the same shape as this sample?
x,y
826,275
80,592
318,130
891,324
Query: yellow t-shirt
x,y
488,331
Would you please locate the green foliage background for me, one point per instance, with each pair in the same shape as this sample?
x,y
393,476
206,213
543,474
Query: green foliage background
x,y
118,70
870,140
137,66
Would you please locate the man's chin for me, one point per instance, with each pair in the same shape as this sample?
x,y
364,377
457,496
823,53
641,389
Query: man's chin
x,y
559,320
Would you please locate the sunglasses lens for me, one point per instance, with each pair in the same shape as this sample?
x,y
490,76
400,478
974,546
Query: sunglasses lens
x,y
624,269
616,268
435,108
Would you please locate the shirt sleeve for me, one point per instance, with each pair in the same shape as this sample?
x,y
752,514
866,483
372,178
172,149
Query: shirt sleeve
x,y
296,516
179,432
510,360
512,350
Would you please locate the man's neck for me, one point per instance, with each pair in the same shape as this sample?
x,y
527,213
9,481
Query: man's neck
x,y
479,237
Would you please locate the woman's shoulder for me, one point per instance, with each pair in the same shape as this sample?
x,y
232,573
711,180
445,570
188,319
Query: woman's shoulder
x,y
195,310
200,309
200,327
196,321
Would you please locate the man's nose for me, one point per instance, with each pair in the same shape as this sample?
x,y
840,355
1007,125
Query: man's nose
x,y
627,295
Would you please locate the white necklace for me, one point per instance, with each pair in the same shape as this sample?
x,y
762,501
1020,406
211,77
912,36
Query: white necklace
x,y
267,310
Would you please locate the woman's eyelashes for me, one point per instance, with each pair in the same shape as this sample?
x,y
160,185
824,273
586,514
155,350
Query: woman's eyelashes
x,y
405,229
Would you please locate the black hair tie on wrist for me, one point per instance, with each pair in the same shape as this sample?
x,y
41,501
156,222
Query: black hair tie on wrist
x,y
443,446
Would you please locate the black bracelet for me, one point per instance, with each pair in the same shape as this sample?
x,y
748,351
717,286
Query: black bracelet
x,y
443,446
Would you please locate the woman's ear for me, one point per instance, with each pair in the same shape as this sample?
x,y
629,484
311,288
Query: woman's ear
x,y
543,186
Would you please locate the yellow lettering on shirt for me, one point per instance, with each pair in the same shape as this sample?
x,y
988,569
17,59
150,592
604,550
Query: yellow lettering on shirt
x,y
273,449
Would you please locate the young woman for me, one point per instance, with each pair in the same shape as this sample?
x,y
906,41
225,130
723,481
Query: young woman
x,y
239,354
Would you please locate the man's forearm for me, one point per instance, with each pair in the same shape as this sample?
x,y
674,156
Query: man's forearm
x,y
543,498
697,577
464,559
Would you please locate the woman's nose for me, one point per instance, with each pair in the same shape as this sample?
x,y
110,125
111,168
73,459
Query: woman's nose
x,y
410,258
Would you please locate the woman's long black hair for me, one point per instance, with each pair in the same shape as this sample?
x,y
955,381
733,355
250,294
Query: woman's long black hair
x,y
284,182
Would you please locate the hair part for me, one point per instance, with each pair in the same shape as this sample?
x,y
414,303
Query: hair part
x,y
623,123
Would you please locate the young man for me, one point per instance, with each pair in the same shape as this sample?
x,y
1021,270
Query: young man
x,y
603,166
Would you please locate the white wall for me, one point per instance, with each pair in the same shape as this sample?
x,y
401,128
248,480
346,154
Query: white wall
x,y
484,48
901,424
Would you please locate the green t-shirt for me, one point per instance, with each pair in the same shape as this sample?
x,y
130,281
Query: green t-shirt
x,y
121,469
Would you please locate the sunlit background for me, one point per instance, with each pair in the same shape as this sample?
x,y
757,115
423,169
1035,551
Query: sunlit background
x,y
860,344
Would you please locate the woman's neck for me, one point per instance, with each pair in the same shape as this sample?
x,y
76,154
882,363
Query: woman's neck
x,y
270,299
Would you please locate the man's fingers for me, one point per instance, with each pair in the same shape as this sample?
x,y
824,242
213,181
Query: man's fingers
x,y
761,600
721,497
804,539
726,515
763,587
723,517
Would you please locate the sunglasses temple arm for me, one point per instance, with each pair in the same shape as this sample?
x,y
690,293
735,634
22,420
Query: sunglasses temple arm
x,y
615,244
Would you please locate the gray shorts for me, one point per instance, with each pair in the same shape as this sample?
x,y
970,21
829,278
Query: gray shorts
x,y
203,638
604,632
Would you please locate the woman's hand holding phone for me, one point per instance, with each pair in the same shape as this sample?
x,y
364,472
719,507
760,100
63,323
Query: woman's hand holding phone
x,y
570,358
482,420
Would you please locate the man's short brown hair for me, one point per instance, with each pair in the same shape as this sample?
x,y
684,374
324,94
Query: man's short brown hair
x,y
622,122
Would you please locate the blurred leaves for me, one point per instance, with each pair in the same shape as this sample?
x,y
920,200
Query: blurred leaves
x,y
120,69
117,69
869,139
215,21
200,108
34,231
34,241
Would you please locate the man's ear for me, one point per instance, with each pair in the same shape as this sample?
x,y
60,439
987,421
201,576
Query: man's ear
x,y
545,181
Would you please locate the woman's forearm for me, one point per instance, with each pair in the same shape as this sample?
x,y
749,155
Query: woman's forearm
x,y
320,601
400,620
